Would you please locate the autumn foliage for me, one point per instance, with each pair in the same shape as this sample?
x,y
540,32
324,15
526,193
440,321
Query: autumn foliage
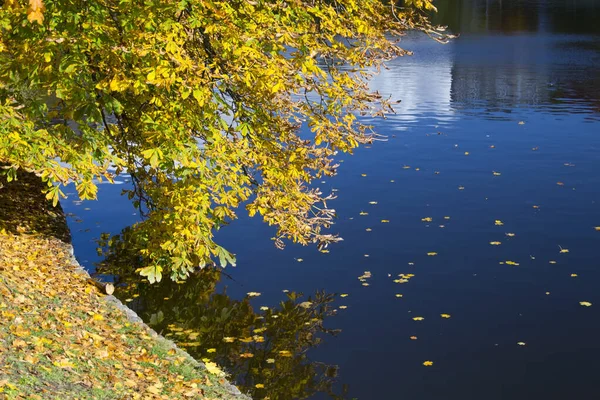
x,y
209,105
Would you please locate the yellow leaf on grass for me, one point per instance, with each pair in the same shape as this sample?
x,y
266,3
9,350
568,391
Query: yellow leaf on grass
x,y
213,369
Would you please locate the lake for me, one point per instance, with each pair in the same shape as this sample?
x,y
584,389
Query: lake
x,y
470,235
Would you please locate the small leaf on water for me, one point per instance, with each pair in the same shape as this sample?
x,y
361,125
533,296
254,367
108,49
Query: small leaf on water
x,y
428,363
585,303
495,243
432,253
521,343
445,315
418,318
498,222
253,294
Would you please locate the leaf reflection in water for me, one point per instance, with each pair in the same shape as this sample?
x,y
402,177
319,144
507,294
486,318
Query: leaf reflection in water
x,y
264,349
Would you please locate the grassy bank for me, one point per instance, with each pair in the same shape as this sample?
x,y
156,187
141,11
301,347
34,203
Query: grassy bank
x,y
60,337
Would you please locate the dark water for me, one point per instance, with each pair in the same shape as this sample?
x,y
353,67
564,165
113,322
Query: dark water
x,y
519,91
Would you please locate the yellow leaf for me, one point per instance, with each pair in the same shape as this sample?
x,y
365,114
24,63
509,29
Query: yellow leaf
x,y
521,343
585,303
259,386
432,253
418,318
495,243
498,222
253,294
213,369
445,315
428,363
35,11
427,219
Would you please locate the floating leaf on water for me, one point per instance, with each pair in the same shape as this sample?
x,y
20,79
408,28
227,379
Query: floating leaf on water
x,y
342,307
573,275
560,183
521,122
399,295
461,188
385,221
299,259
446,217
363,175
427,219
253,294
585,303
413,338
547,293
418,318
552,262
466,153
365,284
363,213
428,363
597,228
521,343
496,173
432,253
563,250
368,229
495,243
445,315
264,308
498,222
406,167
344,295
372,202
510,234
511,263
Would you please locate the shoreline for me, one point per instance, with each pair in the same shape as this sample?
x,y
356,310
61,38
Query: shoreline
x,y
61,337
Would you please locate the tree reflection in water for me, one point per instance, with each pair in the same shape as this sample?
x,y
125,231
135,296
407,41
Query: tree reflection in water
x,y
264,351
